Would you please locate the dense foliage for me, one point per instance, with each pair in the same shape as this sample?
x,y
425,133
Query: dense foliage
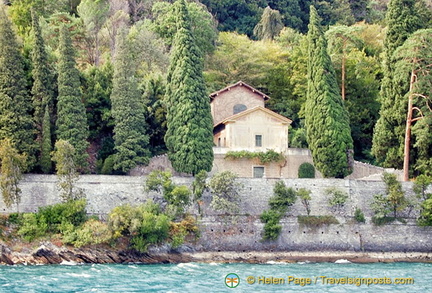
x,y
71,116
189,136
327,122
279,204
33,77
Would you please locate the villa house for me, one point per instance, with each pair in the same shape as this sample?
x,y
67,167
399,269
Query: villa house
x,y
242,123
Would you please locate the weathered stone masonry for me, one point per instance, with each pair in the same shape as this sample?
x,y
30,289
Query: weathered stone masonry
x,y
244,233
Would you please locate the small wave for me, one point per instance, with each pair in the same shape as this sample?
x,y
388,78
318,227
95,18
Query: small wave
x,y
304,262
79,275
214,264
272,262
68,263
342,261
187,265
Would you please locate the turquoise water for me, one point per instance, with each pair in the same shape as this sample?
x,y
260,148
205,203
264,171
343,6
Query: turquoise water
x,y
203,278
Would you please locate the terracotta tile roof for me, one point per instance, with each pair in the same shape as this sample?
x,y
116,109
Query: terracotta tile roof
x,y
257,108
239,83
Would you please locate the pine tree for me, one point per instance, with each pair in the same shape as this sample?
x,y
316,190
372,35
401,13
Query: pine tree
x,y
189,136
402,20
131,140
71,114
15,104
327,125
42,92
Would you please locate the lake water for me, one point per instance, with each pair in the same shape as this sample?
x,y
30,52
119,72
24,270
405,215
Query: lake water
x,y
207,278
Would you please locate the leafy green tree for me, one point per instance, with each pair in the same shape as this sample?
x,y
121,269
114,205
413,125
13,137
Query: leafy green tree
x,y
43,95
202,24
327,123
97,87
402,20
235,15
189,136
177,197
269,26
154,95
93,13
71,115
12,166
65,158
20,11
15,103
392,202
226,192
305,197
130,138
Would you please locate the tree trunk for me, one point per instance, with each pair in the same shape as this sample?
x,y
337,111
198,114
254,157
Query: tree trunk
x,y
408,129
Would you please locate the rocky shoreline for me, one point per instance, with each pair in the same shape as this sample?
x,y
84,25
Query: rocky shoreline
x,y
48,253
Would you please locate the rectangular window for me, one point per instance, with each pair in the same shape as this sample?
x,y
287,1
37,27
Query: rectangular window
x,y
258,140
258,172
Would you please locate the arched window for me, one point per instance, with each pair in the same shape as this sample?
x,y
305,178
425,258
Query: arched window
x,y
239,108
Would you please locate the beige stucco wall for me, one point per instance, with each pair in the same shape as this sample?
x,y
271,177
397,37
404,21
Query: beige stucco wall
x,y
222,105
241,133
244,167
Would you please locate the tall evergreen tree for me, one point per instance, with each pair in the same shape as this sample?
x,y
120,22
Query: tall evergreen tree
x,y
15,103
71,114
402,20
46,144
327,123
42,92
269,26
130,138
189,136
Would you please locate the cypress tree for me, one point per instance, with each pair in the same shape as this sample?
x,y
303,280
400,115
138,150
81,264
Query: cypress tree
x,y
189,136
130,138
46,146
71,114
327,123
42,92
388,139
15,103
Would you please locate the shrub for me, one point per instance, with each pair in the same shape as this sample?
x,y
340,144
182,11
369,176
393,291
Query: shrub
x,y
177,197
272,228
316,221
225,192
91,232
72,212
306,170
283,197
279,204
179,231
154,229
144,223
359,216
108,165
58,218
337,196
33,226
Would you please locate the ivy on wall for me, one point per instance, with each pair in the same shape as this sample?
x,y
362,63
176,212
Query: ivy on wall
x,y
264,157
